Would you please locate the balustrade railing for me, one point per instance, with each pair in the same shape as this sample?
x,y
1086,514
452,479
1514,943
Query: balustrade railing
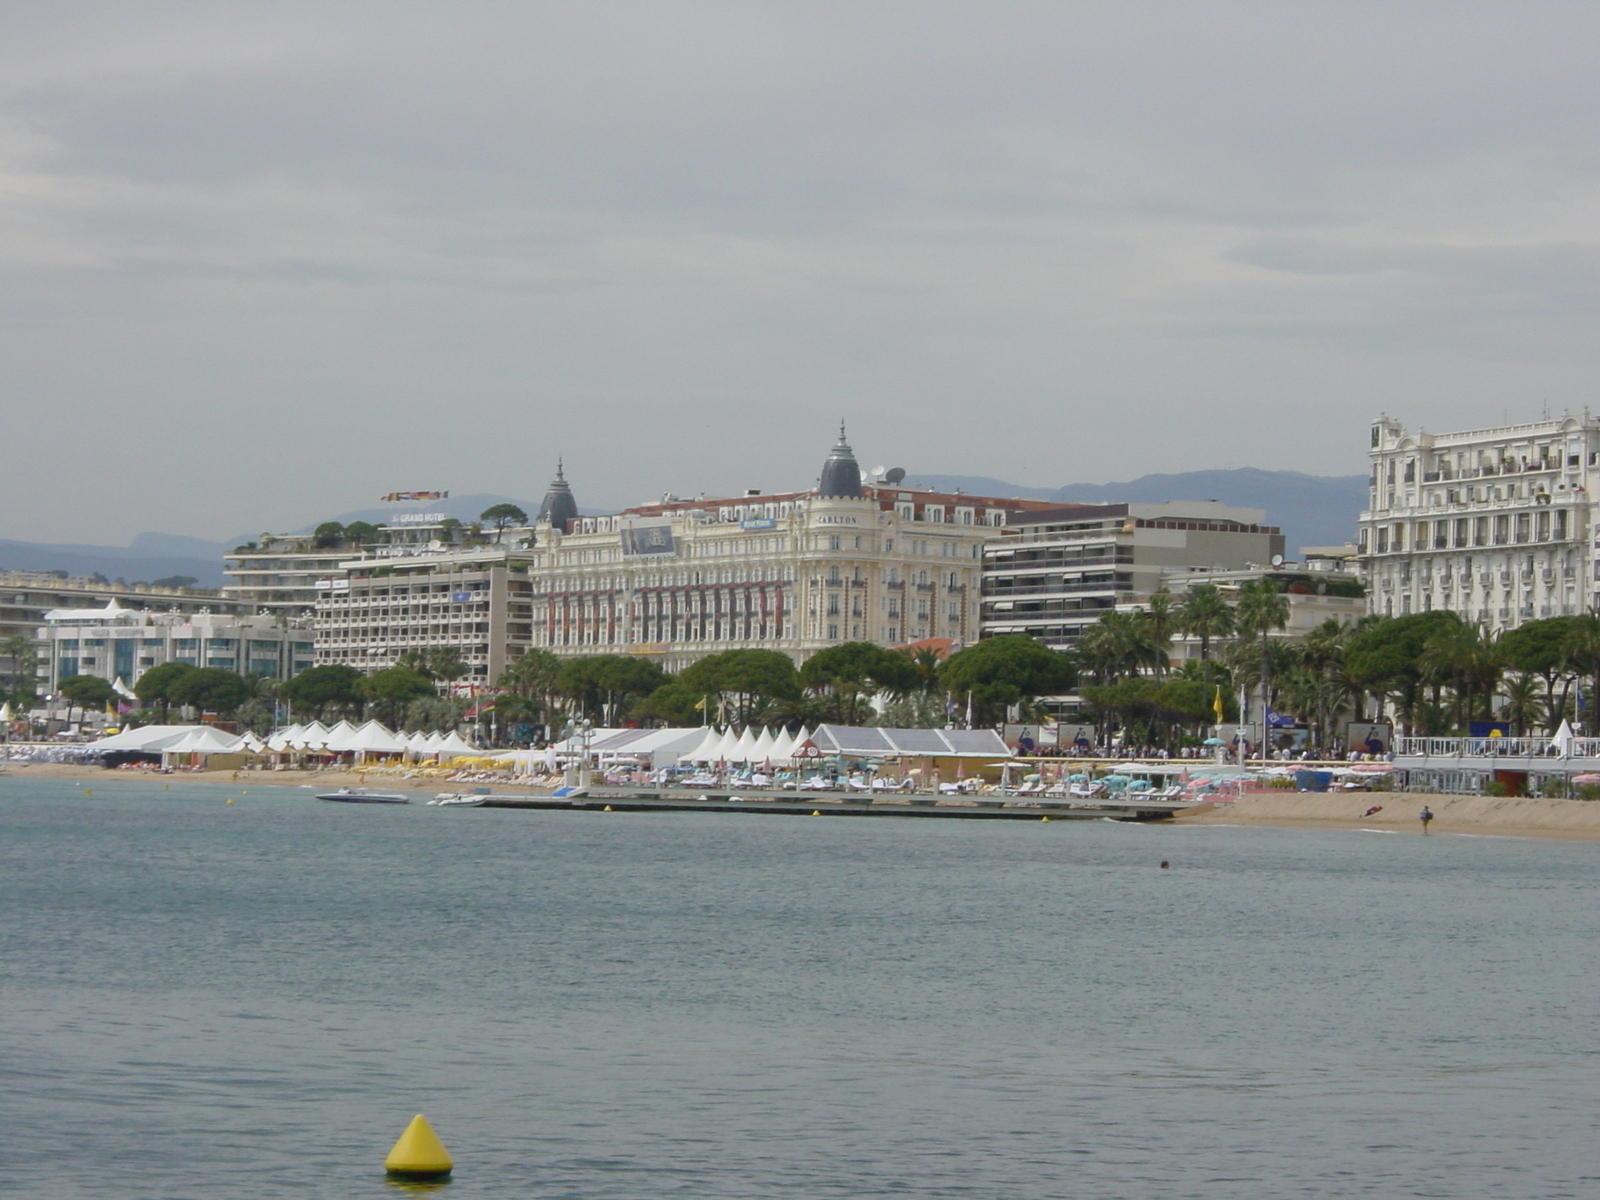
x,y
1497,747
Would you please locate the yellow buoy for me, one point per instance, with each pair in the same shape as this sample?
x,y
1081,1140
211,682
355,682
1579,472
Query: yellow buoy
x,y
608,808
230,801
166,787
419,1154
815,813
1044,818
88,791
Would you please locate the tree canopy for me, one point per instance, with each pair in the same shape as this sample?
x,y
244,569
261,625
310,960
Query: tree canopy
x,y
332,685
853,671
502,516
1003,671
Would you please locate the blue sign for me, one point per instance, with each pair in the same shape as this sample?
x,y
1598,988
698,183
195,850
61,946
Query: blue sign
x,y
759,523
461,597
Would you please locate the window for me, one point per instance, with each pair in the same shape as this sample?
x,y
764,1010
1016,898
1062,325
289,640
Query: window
x,y
833,542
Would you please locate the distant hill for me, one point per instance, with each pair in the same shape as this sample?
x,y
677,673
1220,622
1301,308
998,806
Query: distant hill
x,y
1312,510
152,556
149,558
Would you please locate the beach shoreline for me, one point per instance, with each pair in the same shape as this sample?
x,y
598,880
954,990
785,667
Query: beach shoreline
x,y
1479,816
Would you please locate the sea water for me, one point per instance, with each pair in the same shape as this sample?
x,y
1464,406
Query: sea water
x,y
200,999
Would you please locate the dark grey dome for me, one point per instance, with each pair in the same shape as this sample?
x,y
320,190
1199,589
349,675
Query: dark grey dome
x,y
840,474
559,508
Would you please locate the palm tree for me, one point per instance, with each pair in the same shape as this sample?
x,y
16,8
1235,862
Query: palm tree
x,y
1467,660
1204,614
1119,645
1582,647
1524,707
1262,608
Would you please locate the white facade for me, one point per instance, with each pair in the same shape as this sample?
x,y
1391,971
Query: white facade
x,y
118,643
372,610
1494,524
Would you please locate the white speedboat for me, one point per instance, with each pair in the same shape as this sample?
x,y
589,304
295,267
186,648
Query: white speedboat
x,y
362,796
458,799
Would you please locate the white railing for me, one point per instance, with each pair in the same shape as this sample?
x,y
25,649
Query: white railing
x,y
1496,747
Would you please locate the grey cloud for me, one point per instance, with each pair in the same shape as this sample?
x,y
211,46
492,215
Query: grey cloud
x,y
677,240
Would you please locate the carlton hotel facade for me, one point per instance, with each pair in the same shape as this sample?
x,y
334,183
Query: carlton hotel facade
x,y
677,580
1495,524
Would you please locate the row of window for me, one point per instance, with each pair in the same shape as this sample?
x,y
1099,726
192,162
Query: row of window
x,y
1457,532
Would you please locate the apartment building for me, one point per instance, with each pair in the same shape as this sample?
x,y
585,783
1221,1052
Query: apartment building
x,y
114,643
1053,573
1494,524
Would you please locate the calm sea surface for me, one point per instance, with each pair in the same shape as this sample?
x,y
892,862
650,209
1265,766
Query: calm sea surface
x,y
205,1000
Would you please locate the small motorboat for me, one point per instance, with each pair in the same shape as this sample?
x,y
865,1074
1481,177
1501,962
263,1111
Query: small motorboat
x,y
459,799
362,796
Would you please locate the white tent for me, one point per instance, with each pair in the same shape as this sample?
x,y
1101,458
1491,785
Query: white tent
x,y
706,750
744,749
279,739
151,739
252,743
782,743
373,738
762,750
202,739
727,748
454,744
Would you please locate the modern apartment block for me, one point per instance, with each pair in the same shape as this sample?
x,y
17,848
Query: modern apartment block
x,y
1494,524
121,643
477,601
1053,573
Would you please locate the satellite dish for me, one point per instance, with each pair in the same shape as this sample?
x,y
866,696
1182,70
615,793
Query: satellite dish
x,y
877,472
895,475
1277,560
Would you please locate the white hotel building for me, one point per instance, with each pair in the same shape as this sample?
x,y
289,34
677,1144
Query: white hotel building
x,y
683,578
1495,524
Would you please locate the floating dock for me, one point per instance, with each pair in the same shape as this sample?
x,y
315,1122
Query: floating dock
x,y
1012,808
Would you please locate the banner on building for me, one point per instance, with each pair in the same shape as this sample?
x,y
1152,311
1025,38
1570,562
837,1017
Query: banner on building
x,y
397,497
648,539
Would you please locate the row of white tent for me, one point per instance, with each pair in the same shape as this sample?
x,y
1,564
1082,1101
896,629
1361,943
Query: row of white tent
x,y
316,738
731,746
371,738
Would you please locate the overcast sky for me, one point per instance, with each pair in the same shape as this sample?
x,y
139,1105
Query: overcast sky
x,y
261,263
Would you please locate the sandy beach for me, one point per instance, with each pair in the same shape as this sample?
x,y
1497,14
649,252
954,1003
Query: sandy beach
x,y
1575,820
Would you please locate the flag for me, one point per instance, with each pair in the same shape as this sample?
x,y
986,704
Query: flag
x,y
700,704
1216,705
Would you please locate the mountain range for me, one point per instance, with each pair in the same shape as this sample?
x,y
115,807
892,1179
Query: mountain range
x,y
1312,510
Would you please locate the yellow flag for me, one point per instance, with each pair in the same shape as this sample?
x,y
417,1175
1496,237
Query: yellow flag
x,y
1216,705
701,704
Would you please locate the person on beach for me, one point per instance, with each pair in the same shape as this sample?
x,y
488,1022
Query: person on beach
x,y
1425,816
